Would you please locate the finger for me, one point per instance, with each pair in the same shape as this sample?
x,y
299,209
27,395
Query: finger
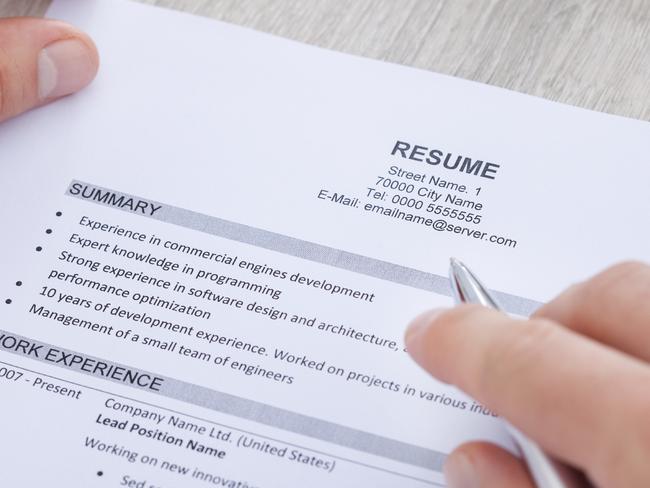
x,y
484,465
41,60
613,308
579,399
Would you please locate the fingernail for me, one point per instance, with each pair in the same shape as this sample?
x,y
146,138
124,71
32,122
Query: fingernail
x,y
416,330
460,473
63,68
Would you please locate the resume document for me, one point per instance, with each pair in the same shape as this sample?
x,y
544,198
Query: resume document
x,y
210,255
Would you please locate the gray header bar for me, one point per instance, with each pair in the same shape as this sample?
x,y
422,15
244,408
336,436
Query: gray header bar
x,y
248,409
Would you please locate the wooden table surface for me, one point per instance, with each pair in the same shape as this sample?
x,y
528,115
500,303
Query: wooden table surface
x,y
590,53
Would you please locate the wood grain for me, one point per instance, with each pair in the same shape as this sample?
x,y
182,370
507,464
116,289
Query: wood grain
x,y
590,53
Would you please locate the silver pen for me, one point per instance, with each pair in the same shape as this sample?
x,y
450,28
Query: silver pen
x,y
545,471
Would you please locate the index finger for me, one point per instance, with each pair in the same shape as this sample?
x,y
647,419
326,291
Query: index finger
x,y
548,381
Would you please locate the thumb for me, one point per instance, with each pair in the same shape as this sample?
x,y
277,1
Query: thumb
x,y
485,465
41,60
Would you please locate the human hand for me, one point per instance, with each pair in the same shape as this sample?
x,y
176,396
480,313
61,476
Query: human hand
x,y
575,378
41,60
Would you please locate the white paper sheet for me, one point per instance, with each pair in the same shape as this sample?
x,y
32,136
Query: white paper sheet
x,y
287,227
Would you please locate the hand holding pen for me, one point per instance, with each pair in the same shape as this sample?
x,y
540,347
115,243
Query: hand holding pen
x,y
574,380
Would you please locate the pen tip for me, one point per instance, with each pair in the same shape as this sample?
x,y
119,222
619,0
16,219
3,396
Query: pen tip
x,y
455,263
455,270
466,287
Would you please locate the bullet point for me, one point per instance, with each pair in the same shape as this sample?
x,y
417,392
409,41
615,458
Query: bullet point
x,y
39,249
8,301
48,231
58,214
19,283
100,473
